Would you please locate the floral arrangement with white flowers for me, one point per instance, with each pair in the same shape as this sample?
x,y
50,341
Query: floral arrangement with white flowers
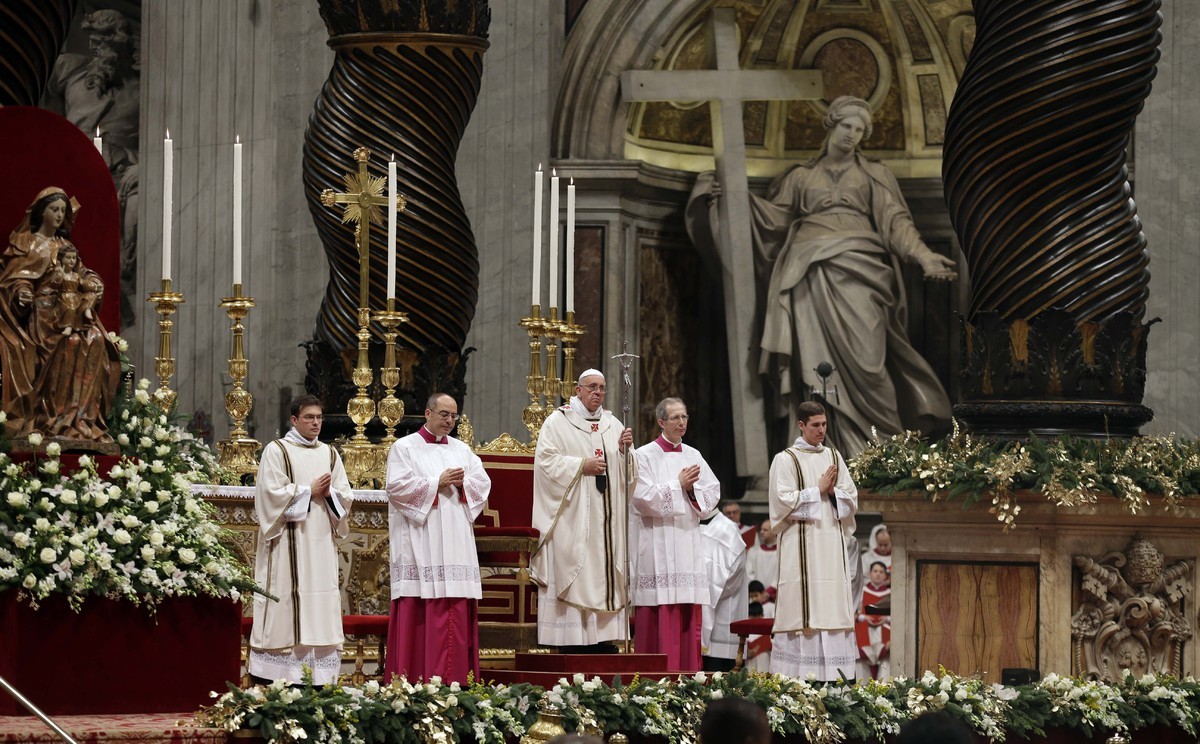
x,y
671,709
1068,471
134,531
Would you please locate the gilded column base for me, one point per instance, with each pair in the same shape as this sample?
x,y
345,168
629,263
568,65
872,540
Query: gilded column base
x,y
239,455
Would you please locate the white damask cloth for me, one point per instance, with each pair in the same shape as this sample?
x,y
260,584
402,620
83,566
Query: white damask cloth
x,y
664,526
432,542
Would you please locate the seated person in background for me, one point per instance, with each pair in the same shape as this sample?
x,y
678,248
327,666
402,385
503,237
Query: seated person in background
x,y
734,720
758,647
763,598
873,632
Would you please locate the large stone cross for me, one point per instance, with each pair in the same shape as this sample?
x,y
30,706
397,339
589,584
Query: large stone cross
x,y
726,88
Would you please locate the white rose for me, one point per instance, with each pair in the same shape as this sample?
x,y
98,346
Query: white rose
x,y
151,506
54,449
156,539
35,439
142,397
147,553
30,581
123,438
3,417
101,499
76,557
121,537
143,384
130,521
69,497
145,443
42,524
21,540
50,466
163,495
122,345
451,701
77,539
717,694
187,555
48,555
84,461
157,467
18,499
116,472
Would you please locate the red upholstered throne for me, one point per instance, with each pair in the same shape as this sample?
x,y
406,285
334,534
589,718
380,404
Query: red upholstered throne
x,y
505,540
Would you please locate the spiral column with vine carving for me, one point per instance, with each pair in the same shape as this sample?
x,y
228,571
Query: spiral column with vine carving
x,y
405,79
1036,181
31,34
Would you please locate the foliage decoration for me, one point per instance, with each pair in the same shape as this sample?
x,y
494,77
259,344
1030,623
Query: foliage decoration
x,y
1068,471
671,709
134,531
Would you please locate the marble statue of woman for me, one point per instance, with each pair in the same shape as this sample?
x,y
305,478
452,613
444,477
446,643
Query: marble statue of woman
x,y
831,233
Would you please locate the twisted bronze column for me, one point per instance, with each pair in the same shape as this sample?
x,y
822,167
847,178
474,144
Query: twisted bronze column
x,y
31,34
1037,187
405,80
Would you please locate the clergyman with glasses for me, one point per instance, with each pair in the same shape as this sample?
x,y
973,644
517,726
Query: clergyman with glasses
x,y
436,488
302,500
583,471
675,489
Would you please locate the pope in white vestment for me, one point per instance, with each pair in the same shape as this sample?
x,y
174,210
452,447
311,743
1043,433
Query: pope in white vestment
x,y
436,489
582,472
675,487
813,502
302,501
724,562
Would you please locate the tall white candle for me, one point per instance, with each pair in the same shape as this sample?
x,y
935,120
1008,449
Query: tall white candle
x,y
237,210
98,141
537,236
571,246
168,177
391,269
553,240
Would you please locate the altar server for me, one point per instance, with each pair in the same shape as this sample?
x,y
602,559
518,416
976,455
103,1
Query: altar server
x,y
582,473
813,502
303,502
436,488
675,487
725,564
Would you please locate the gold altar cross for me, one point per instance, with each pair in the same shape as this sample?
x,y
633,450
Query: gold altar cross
x,y
363,197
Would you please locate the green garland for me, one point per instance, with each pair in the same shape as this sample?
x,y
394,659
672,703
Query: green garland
x,y
823,714
1068,471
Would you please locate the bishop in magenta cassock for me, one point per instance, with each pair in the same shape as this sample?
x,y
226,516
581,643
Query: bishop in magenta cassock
x,y
582,473
436,488
675,488
813,502
302,501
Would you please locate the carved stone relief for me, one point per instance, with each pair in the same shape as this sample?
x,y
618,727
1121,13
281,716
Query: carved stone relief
x,y
1130,614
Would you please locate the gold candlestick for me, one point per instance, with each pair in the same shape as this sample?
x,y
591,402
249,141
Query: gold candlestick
x,y
358,455
551,385
240,451
391,408
164,364
534,414
570,334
